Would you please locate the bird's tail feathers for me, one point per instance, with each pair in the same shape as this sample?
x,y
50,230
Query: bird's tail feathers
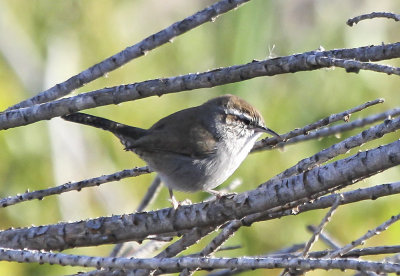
x,y
120,130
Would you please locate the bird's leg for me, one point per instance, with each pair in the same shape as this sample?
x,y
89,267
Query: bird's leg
x,y
176,203
173,200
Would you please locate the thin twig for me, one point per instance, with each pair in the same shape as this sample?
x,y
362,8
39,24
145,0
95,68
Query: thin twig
x,y
337,129
227,248
116,249
354,253
345,115
299,136
74,186
315,235
187,240
354,66
322,225
369,234
372,133
328,240
145,250
280,252
174,249
371,193
177,264
372,15
216,243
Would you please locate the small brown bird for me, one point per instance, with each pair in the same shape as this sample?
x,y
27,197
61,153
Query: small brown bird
x,y
193,149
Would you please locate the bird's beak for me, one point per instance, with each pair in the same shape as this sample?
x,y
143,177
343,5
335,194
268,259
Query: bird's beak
x,y
270,131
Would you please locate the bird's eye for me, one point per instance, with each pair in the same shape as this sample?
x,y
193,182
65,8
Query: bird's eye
x,y
246,120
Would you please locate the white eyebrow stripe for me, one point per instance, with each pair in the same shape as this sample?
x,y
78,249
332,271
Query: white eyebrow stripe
x,y
240,115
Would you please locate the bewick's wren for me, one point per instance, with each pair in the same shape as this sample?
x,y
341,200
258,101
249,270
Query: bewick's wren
x,y
193,149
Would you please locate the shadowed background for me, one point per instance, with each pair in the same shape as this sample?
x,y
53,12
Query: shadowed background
x,y
45,42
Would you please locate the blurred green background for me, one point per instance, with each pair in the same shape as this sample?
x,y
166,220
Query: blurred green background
x,y
43,43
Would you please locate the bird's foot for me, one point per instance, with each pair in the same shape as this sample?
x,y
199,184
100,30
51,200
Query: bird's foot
x,y
176,203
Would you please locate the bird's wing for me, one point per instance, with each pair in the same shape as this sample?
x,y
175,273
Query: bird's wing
x,y
182,133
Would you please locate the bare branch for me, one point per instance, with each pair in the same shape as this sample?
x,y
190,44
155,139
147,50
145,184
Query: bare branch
x,y
74,186
318,254
369,234
132,52
114,95
344,127
342,147
354,253
215,244
177,264
372,15
354,66
174,249
321,226
324,237
315,235
371,193
373,251
345,115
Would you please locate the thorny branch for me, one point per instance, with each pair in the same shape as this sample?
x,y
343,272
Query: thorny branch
x,y
157,87
345,116
132,52
177,264
321,226
368,235
268,195
73,186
